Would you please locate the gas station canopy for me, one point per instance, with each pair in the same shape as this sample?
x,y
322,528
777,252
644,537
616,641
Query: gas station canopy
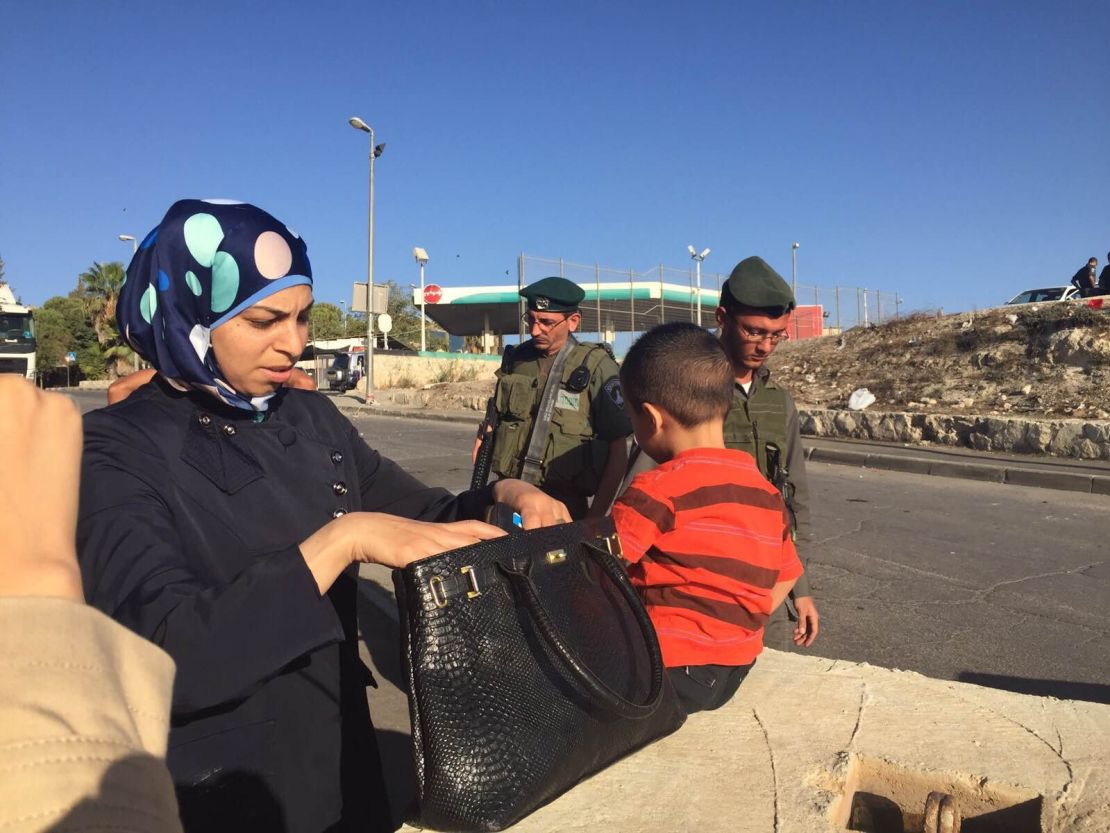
x,y
632,306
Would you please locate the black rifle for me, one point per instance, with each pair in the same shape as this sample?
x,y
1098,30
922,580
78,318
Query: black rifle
x,y
484,460
779,475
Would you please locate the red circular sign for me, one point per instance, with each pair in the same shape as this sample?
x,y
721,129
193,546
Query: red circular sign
x,y
432,294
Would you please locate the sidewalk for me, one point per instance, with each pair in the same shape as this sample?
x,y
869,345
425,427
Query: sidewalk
x,y
1088,476
813,745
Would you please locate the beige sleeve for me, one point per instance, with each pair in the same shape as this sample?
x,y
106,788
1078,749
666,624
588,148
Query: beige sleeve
x,y
84,716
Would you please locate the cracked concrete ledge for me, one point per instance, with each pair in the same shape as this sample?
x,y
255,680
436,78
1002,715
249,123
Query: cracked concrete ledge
x,y
805,735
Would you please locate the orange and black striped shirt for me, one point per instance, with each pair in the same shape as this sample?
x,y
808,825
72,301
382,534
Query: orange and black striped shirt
x,y
707,537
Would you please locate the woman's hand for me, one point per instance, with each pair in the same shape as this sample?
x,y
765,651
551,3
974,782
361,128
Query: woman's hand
x,y
376,538
536,508
40,452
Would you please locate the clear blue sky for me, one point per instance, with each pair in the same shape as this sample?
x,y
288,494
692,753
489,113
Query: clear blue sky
x,y
954,153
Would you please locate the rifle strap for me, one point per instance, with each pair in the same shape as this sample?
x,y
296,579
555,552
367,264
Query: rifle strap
x,y
533,458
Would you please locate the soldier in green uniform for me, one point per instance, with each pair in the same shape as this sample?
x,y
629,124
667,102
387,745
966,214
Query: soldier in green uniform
x,y
752,320
568,437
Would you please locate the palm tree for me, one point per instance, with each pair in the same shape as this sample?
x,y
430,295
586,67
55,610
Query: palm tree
x,y
99,287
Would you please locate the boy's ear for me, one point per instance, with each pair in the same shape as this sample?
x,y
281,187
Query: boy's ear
x,y
655,414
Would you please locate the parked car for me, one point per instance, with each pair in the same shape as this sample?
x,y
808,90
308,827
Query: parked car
x,y
1040,296
346,370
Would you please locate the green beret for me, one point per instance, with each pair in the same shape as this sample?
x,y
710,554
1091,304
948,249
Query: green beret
x,y
553,295
755,284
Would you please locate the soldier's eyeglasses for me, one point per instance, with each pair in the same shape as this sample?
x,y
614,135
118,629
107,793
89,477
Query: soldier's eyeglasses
x,y
544,325
757,336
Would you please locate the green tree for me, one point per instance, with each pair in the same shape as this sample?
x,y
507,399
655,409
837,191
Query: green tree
x,y
406,321
54,338
99,288
62,326
326,323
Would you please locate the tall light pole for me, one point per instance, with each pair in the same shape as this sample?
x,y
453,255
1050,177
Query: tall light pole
x,y
698,257
134,250
794,269
422,258
794,281
375,152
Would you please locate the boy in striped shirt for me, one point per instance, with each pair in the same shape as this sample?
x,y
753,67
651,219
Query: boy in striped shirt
x,y
707,537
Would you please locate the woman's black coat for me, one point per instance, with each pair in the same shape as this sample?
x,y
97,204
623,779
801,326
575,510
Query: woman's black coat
x,y
191,514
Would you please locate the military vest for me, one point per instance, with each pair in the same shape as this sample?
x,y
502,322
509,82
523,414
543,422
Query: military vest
x,y
756,420
573,458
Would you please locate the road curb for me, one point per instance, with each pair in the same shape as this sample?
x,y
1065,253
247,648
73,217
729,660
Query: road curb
x,y
986,471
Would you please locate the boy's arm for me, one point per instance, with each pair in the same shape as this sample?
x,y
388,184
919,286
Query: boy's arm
x,y
615,464
779,591
640,518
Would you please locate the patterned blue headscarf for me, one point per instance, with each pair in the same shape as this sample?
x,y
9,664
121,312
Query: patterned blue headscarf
x,y
206,262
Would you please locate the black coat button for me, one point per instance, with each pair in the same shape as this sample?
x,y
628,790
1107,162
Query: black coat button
x,y
229,430
336,457
339,513
339,487
204,420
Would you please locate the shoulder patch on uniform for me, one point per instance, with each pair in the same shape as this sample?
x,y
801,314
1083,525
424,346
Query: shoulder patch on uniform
x,y
612,389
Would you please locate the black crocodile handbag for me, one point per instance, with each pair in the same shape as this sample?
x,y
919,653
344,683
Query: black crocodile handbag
x,y
531,664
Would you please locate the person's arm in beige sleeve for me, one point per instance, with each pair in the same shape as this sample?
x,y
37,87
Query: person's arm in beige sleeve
x,y
84,703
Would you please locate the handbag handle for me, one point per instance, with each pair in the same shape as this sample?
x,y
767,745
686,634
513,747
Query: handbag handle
x,y
598,690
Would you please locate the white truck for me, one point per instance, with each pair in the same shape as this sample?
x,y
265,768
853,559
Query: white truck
x,y
17,335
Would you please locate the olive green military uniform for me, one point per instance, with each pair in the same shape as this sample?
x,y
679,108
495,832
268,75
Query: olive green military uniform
x,y
583,422
766,415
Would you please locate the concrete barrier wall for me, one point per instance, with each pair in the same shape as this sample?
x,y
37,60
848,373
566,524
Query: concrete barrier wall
x,y
1076,438
430,368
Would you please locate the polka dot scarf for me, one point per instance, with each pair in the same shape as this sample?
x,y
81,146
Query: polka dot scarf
x,y
206,262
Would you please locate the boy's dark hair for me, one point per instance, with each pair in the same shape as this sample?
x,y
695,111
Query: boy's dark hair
x,y
682,369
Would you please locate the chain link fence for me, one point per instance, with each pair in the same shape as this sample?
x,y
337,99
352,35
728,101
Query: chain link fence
x,y
675,296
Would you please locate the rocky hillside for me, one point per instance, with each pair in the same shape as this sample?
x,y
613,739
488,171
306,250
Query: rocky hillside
x,y
1035,361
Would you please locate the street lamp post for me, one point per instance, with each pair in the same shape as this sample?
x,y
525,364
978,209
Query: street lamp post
x,y
421,258
134,250
794,269
794,281
375,152
698,257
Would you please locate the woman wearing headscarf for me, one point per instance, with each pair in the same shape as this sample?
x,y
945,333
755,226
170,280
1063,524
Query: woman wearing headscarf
x,y
223,516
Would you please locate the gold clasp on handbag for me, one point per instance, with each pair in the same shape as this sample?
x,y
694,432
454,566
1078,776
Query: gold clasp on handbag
x,y
472,580
435,584
556,556
613,544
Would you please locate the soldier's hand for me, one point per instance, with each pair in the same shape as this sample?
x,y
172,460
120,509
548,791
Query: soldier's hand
x,y
809,621
40,446
535,507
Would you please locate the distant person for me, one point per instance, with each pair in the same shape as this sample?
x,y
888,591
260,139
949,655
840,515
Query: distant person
x,y
708,538
1104,278
566,434
1085,281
